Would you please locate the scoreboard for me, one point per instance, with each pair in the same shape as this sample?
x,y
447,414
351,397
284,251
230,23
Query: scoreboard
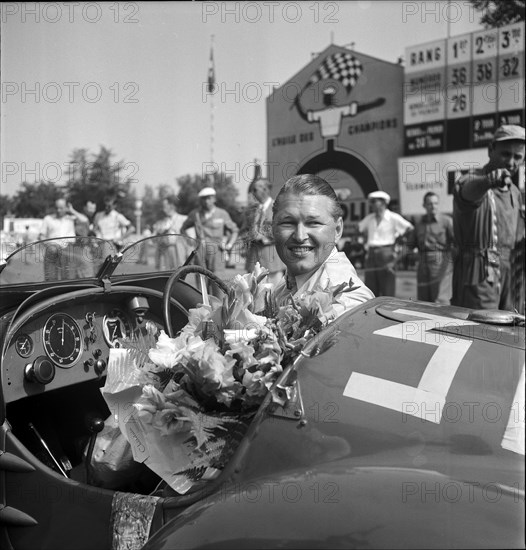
x,y
457,91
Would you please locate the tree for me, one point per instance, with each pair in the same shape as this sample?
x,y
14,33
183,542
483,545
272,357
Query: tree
x,y
92,177
6,205
35,200
152,205
497,13
189,187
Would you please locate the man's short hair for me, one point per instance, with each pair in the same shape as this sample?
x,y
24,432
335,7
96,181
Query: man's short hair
x,y
265,181
430,194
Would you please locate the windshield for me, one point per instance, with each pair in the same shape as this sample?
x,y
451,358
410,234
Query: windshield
x,y
76,258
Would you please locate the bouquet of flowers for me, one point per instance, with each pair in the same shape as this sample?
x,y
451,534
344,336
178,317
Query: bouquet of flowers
x,y
192,397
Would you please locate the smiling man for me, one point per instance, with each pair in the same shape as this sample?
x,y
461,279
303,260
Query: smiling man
x,y
307,224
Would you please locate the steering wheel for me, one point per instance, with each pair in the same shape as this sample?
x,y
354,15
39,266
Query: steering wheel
x,y
180,273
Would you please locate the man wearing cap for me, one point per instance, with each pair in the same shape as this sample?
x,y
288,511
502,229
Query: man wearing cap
x,y
381,229
210,224
488,221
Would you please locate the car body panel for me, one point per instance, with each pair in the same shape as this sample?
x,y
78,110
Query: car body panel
x,y
63,508
400,425
362,427
354,473
343,507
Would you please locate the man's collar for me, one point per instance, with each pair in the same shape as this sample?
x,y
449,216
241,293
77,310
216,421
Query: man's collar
x,y
504,189
266,203
293,283
290,281
383,215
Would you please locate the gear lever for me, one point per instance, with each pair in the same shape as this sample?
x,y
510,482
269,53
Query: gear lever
x,y
95,426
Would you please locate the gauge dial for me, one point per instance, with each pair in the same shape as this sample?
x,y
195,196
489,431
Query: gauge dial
x,y
114,326
24,345
62,340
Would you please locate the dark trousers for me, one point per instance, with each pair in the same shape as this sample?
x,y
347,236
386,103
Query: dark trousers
x,y
433,276
379,270
57,262
490,295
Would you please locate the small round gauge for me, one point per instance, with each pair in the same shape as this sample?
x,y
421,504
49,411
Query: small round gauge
x,y
24,345
114,326
62,340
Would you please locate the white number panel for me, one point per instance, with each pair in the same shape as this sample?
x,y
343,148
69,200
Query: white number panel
x,y
436,380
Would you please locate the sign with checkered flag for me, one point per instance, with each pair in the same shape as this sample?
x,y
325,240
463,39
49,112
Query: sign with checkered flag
x,y
341,66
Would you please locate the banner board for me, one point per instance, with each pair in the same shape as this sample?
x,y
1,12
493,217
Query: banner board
x,y
457,91
340,117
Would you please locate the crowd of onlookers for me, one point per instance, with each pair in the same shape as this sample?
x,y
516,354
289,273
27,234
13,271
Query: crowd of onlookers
x,y
474,258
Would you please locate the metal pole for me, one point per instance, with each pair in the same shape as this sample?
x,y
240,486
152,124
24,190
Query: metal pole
x,y
449,19
212,106
138,214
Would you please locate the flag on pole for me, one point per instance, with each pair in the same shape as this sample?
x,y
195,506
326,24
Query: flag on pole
x,y
211,73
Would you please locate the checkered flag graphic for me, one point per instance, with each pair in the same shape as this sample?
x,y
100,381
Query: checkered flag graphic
x,y
341,66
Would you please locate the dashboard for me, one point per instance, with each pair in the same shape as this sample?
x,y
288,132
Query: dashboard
x,y
56,345
69,342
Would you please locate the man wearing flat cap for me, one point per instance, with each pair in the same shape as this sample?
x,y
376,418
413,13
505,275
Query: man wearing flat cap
x,y
381,229
488,220
211,223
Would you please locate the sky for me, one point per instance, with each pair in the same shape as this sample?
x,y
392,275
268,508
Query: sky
x,y
131,76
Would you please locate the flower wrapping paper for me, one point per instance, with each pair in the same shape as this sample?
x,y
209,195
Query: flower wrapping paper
x,y
181,452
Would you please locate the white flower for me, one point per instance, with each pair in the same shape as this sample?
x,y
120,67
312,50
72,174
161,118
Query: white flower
x,y
242,294
196,318
170,421
247,320
170,351
214,367
259,295
167,351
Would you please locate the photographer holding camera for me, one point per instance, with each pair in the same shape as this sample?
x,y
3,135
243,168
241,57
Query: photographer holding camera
x,y
488,221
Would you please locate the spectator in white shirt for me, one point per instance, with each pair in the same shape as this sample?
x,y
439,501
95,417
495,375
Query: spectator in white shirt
x,y
112,225
381,229
58,255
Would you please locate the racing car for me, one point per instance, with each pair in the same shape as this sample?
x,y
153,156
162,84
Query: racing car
x,y
407,431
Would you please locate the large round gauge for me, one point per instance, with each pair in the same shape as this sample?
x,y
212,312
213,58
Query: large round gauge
x,y
62,340
115,326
